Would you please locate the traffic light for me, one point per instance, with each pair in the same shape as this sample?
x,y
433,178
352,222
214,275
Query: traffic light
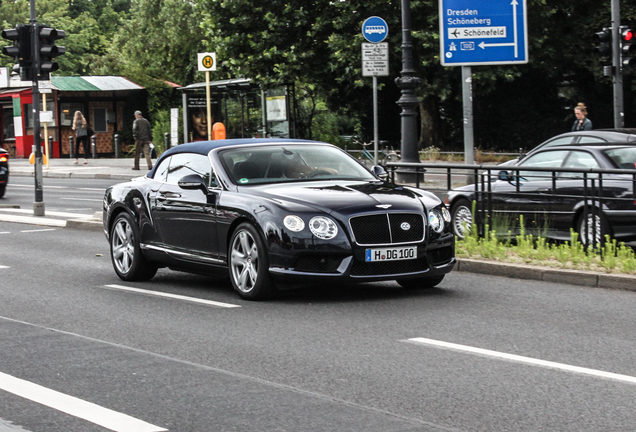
x,y
20,50
628,49
49,51
604,47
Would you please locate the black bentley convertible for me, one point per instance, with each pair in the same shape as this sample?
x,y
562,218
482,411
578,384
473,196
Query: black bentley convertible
x,y
274,212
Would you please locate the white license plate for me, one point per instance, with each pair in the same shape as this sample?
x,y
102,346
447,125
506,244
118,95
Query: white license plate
x,y
391,254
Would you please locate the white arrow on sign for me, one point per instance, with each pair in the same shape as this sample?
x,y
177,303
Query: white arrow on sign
x,y
515,44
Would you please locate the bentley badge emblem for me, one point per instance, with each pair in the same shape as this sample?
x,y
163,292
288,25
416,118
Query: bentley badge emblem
x,y
384,206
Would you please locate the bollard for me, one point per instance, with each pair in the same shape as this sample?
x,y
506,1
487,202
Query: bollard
x,y
72,148
50,147
94,146
166,138
116,146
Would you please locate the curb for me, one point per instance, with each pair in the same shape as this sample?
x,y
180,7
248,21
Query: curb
x,y
548,274
45,174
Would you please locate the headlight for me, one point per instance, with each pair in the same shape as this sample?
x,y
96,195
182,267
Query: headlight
x,y
294,223
446,214
323,227
436,221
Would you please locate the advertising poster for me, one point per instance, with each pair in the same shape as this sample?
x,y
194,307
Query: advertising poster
x,y
198,116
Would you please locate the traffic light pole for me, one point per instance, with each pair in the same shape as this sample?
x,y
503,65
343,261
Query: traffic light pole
x,y
619,108
38,205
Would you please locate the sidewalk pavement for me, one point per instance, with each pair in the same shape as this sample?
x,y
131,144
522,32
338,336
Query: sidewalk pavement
x,y
121,170
102,168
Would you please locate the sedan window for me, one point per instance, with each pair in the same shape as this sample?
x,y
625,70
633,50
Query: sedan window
x,y
546,159
183,164
624,158
581,160
590,139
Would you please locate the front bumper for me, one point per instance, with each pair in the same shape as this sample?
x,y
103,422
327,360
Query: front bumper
x,y
434,259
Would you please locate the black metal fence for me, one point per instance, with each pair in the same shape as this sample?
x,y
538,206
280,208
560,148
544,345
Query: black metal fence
x,y
599,190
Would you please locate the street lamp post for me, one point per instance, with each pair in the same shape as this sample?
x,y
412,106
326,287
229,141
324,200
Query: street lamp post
x,y
407,83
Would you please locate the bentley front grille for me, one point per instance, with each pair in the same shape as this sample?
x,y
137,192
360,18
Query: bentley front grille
x,y
387,228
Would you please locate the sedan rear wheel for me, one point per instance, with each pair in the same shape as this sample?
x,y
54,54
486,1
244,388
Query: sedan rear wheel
x,y
249,264
462,218
125,252
597,229
2,189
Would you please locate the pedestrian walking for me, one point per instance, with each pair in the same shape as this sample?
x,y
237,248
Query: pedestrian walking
x,y
80,126
582,123
143,137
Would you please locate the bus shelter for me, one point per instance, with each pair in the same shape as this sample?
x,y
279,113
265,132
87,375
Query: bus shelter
x,y
244,108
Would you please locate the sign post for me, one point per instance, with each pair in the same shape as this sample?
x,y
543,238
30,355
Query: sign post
x,y
481,32
207,63
375,62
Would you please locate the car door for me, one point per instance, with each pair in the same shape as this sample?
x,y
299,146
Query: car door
x,y
570,188
534,198
186,217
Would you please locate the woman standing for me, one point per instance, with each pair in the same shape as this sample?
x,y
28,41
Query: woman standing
x,y
81,135
582,123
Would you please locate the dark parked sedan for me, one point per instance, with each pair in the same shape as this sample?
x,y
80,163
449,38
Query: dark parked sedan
x,y
4,170
275,213
599,136
551,207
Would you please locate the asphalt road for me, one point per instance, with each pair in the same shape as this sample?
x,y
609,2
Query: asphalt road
x,y
82,196
79,351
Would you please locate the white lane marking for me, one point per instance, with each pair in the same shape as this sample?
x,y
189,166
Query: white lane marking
x,y
38,230
174,296
88,411
4,267
45,187
526,360
81,199
5,232
93,189
48,213
33,220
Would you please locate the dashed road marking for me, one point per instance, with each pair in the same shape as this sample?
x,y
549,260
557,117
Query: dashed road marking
x,y
79,408
4,267
173,296
523,359
38,230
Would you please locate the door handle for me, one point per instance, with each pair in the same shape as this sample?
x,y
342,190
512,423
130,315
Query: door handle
x,y
165,195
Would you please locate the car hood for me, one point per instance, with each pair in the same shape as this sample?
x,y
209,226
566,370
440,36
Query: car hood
x,y
344,197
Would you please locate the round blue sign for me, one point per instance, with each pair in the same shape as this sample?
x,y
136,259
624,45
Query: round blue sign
x,y
375,29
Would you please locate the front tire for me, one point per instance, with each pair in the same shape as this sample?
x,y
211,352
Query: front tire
x,y
2,189
462,218
125,251
249,264
421,283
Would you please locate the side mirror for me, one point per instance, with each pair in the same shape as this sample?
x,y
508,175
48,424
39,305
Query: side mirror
x,y
380,172
503,175
193,182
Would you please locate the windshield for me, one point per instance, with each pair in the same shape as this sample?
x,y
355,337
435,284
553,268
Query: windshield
x,y
291,163
624,158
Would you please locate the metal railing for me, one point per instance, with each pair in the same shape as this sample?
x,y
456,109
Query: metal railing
x,y
598,185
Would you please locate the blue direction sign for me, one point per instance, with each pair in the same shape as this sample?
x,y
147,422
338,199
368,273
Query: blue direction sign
x,y
483,32
375,29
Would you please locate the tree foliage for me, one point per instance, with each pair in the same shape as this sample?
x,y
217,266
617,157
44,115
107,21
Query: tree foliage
x,y
315,45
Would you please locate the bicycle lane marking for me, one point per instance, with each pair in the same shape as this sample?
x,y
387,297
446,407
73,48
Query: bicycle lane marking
x,y
76,407
522,359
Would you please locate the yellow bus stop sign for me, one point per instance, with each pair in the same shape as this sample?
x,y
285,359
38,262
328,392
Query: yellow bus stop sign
x,y
206,62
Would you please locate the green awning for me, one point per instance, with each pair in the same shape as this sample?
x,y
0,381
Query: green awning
x,y
72,83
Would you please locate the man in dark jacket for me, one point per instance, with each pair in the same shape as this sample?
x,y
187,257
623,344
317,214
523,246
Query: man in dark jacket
x,y
143,137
